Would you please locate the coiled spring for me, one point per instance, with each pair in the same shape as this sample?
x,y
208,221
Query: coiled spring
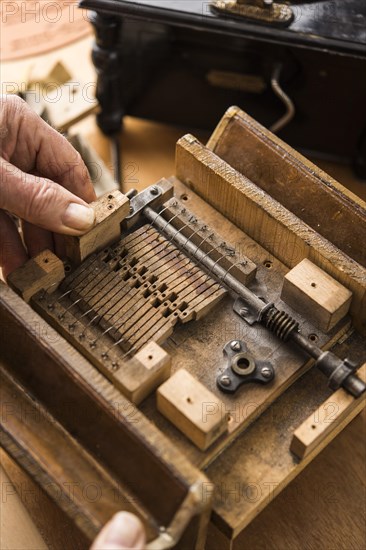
x,y
280,323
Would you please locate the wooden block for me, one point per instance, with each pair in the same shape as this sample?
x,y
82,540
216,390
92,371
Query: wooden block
x,y
110,210
316,295
192,408
339,409
43,271
149,368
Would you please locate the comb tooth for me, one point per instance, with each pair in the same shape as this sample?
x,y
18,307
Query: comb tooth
x,y
135,291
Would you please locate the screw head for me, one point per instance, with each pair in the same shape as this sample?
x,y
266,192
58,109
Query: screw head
x,y
225,380
131,210
266,372
235,345
154,190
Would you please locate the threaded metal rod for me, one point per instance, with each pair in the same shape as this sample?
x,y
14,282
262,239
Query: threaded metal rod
x,y
278,322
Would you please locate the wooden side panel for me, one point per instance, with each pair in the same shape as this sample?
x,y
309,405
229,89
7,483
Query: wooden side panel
x,y
265,220
311,194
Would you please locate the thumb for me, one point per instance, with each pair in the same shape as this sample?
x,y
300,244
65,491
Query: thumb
x,y
124,531
43,202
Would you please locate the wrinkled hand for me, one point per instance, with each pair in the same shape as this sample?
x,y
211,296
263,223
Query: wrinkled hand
x,y
43,182
124,531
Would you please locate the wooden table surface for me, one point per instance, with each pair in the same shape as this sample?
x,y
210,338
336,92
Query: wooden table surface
x,y
324,508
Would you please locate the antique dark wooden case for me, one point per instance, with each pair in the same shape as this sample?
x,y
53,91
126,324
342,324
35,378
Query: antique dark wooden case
x,y
184,62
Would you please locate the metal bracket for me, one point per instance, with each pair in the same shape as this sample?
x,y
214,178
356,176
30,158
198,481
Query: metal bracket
x,y
242,368
152,196
258,11
249,314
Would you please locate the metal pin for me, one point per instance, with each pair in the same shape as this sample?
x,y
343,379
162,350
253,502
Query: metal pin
x,y
78,319
63,295
45,290
82,334
178,231
173,218
211,236
159,214
62,315
203,228
228,270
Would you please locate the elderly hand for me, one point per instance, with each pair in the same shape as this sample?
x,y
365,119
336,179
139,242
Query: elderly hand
x,y
124,531
43,182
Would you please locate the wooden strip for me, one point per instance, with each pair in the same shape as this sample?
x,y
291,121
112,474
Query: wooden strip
x,y
327,419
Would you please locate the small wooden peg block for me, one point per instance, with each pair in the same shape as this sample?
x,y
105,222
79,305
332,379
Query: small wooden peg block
x,y
329,419
149,368
110,210
315,294
192,408
44,271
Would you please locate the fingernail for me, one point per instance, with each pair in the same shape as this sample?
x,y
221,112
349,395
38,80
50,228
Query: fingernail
x,y
77,216
124,531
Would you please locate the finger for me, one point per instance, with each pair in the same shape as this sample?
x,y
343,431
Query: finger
x,y
31,144
12,251
43,202
124,531
36,239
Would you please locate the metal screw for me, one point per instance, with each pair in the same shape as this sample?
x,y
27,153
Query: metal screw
x,y
225,380
131,210
266,372
235,345
154,190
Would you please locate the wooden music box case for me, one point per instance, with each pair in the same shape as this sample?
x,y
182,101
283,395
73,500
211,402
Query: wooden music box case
x,y
204,341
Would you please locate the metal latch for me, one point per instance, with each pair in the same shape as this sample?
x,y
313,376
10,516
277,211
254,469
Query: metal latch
x,y
260,11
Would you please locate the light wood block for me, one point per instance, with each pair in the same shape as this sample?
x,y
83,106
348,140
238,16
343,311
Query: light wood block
x,y
192,408
329,418
110,210
315,294
148,368
44,271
